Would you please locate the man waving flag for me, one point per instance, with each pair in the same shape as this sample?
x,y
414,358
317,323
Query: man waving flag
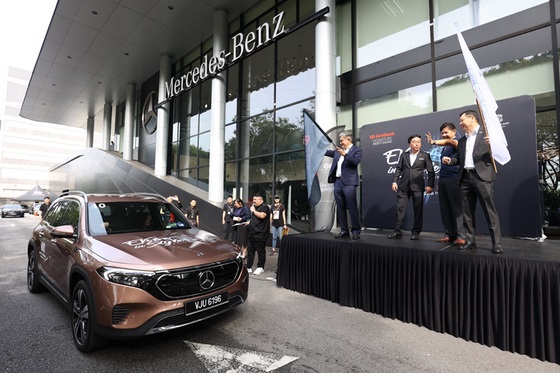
x,y
487,104
316,142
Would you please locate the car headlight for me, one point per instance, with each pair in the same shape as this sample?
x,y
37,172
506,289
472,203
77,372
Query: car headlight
x,y
129,277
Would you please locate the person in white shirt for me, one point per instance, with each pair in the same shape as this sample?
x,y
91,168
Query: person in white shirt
x,y
476,175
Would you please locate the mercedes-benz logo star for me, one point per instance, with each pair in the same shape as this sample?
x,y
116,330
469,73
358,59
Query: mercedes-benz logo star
x,y
206,279
149,114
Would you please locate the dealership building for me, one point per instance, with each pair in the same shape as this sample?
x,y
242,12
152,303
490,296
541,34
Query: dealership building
x,y
208,95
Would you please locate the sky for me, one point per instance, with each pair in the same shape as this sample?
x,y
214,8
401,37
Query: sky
x,y
23,26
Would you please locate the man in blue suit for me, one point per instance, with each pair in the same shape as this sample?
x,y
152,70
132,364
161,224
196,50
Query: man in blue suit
x,y
344,175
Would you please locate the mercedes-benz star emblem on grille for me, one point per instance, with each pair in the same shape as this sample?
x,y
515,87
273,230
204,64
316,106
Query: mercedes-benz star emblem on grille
x,y
206,279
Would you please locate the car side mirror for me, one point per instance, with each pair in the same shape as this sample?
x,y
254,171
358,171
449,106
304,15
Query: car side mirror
x,y
64,231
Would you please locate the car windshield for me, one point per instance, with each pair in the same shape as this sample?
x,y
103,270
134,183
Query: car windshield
x,y
12,207
121,217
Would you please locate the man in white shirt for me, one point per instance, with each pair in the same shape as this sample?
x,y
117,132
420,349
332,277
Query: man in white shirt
x,y
408,182
476,176
344,175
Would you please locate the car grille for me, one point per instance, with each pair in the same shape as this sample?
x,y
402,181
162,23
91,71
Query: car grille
x,y
184,283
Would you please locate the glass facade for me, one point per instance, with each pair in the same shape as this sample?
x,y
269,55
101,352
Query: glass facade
x,y
394,59
266,94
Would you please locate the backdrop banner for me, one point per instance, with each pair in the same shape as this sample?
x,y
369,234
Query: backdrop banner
x,y
516,190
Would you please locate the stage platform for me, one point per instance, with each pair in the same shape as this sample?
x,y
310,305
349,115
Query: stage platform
x,y
510,301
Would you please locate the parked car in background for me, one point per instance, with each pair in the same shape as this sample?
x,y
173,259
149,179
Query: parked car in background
x,y
131,265
26,209
36,208
12,210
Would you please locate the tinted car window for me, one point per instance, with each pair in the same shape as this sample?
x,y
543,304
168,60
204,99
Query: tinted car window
x,y
122,217
54,212
70,215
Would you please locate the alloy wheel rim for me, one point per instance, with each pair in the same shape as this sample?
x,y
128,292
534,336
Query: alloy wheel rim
x,y
80,312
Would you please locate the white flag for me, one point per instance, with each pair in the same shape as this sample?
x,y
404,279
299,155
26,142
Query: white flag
x,y
487,103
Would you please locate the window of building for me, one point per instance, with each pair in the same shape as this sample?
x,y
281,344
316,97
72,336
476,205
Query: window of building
x,y
344,38
258,82
472,13
411,101
296,67
387,28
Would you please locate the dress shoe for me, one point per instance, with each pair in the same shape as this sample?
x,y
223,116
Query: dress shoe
x,y
459,241
414,237
497,248
355,236
394,235
342,235
467,246
445,239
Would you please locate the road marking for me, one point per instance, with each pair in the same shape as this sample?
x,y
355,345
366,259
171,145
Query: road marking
x,y
219,359
10,258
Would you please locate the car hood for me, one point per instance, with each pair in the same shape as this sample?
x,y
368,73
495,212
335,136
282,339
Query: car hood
x,y
163,249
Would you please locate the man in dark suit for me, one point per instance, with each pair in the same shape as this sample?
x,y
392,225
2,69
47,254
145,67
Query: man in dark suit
x,y
409,181
477,175
344,175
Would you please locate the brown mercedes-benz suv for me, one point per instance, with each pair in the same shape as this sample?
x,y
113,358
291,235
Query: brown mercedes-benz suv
x,y
131,265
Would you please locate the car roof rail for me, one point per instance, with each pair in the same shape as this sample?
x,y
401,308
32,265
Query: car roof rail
x,y
67,192
146,194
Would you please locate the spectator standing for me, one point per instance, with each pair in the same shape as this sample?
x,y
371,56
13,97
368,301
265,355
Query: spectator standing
x,y
278,219
192,213
44,206
241,215
257,234
227,218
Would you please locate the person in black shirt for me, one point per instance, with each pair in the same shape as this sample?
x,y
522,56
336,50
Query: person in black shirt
x,y
257,233
44,207
227,218
192,213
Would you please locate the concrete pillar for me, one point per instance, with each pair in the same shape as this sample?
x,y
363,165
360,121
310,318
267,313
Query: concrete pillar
x,y
89,131
217,130
107,113
129,122
162,132
325,66
244,134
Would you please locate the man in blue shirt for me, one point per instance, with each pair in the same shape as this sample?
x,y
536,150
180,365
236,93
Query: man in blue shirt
x,y
449,189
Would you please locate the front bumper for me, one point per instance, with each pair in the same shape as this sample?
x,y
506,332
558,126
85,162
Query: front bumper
x,y
125,312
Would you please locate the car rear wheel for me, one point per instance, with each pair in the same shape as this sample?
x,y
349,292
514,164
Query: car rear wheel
x,y
33,283
83,319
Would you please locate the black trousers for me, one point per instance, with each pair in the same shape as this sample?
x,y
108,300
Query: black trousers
x,y
451,208
258,246
417,204
475,189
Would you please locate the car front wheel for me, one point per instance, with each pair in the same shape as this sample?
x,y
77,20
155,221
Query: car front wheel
x,y
33,284
83,319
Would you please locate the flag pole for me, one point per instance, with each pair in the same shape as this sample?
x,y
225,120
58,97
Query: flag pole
x,y
486,134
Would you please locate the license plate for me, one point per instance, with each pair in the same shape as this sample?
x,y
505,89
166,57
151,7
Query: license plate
x,y
206,303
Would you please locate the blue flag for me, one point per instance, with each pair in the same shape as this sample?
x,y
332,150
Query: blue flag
x,y
316,142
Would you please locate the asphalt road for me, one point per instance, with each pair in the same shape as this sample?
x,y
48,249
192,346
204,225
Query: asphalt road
x,y
276,330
